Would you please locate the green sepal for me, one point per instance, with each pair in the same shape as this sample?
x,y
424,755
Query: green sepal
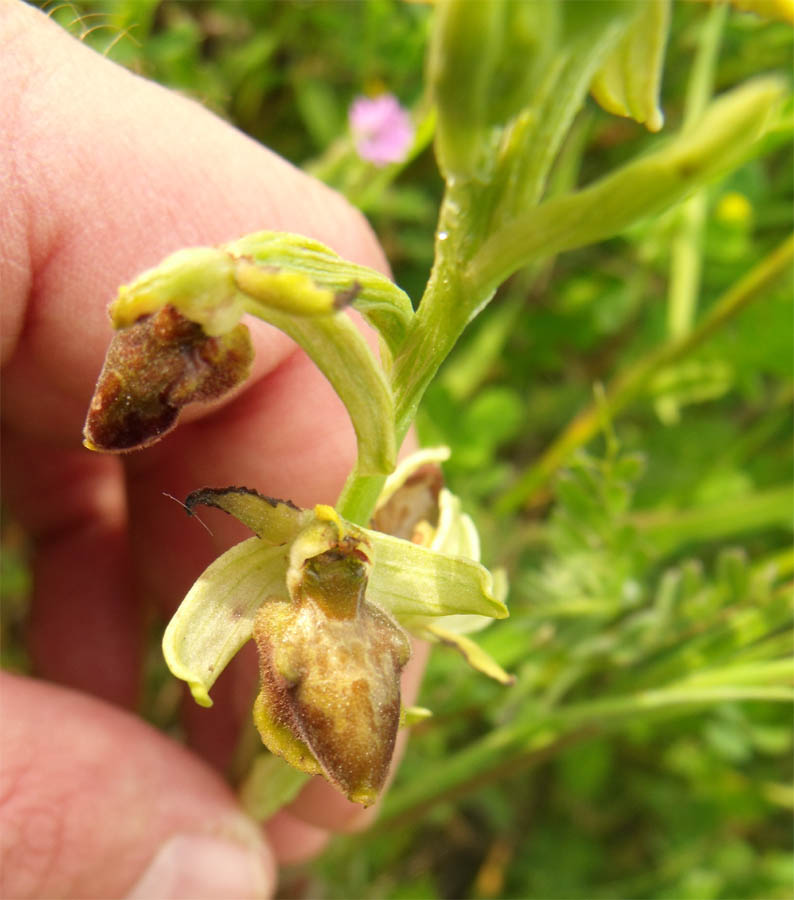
x,y
198,282
387,308
628,82
216,617
275,521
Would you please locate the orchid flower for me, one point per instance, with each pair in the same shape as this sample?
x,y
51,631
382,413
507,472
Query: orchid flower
x,y
328,605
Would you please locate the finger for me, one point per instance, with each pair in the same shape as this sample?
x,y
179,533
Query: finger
x,y
161,179
294,841
176,830
85,629
141,173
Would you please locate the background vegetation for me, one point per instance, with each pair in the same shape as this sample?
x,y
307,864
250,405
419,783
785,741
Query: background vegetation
x,y
628,466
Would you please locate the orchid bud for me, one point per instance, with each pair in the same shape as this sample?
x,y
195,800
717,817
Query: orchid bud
x,y
152,369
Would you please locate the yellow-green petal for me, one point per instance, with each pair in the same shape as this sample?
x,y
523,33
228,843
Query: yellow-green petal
x,y
408,580
216,617
474,655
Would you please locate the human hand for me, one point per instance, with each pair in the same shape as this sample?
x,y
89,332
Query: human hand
x,y
103,174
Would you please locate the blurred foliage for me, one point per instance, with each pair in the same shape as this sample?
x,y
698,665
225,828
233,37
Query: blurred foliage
x,y
644,750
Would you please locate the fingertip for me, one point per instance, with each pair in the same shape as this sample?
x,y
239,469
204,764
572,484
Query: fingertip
x,y
203,867
96,803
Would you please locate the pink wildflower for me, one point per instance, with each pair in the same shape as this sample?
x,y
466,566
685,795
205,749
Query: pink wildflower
x,y
382,129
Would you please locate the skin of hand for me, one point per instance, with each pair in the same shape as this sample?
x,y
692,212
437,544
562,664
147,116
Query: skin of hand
x,y
102,174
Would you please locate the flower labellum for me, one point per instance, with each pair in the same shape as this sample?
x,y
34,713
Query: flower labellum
x,y
382,129
330,664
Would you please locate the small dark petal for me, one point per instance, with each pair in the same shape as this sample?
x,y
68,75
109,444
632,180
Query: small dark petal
x,y
152,369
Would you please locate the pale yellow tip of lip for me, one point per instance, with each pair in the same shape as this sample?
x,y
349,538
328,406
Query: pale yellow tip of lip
x,y
90,445
364,795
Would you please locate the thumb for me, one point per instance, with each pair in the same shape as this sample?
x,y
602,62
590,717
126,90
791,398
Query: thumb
x,y
96,803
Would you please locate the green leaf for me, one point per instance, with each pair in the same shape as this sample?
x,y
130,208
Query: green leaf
x,y
216,617
722,139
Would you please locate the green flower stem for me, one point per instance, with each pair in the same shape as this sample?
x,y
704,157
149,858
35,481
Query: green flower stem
x,y
685,254
340,352
630,385
433,335
444,312
357,501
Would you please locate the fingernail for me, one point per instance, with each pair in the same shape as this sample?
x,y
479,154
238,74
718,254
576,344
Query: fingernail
x,y
199,867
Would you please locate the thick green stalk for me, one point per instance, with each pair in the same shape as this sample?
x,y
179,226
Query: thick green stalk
x,y
632,382
445,310
430,340
357,501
